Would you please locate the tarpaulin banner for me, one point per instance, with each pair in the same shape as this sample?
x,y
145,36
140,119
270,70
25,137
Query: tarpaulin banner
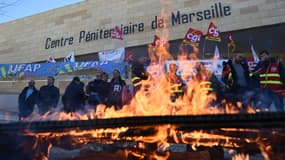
x,y
116,55
53,69
187,68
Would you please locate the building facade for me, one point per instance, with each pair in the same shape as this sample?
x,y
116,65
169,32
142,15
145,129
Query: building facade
x,y
86,27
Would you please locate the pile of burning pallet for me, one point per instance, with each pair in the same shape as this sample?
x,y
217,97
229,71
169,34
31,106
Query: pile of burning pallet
x,y
205,137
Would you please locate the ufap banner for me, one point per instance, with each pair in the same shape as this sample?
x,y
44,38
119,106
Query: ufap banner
x,y
53,69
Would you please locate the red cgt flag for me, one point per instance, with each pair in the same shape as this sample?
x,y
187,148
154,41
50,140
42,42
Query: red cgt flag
x,y
213,33
231,42
117,34
129,57
193,37
158,42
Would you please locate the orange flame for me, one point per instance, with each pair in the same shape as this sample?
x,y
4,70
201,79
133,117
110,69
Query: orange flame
x,y
154,99
241,157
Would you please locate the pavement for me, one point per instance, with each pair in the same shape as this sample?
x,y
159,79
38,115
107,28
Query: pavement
x,y
8,107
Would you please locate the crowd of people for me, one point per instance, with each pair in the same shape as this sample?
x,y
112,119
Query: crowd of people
x,y
261,87
76,95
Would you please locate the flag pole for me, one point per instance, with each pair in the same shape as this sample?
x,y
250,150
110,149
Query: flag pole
x,y
204,44
228,52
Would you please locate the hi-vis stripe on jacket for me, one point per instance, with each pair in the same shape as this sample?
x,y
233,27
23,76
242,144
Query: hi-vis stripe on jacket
x,y
270,77
206,86
176,87
136,81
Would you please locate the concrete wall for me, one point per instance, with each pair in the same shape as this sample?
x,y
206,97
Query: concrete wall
x,y
23,40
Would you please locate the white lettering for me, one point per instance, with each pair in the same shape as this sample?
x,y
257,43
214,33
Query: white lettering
x,y
214,31
117,88
13,70
21,67
28,68
193,38
36,67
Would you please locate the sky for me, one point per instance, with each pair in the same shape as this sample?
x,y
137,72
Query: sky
x,y
23,8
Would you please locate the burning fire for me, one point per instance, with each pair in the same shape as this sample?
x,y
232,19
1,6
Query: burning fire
x,y
154,99
241,157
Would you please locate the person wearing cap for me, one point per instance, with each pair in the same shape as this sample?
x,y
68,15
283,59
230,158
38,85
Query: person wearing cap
x,y
48,96
74,96
27,100
271,76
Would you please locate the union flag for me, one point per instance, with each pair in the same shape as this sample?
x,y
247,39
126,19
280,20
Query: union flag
x,y
158,42
193,37
213,33
117,34
231,42
129,57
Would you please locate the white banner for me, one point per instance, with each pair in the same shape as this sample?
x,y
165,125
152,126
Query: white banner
x,y
117,55
188,67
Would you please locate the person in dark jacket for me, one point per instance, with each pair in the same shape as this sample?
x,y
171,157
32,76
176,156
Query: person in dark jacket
x,y
106,84
96,90
115,93
226,73
73,97
241,87
27,100
48,96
